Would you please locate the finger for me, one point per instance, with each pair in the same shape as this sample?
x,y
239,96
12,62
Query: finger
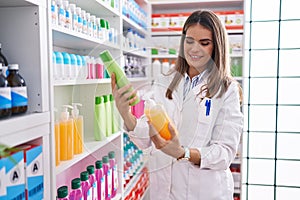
x,y
172,130
113,81
124,89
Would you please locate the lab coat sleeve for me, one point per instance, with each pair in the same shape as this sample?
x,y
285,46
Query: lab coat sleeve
x,y
226,133
140,134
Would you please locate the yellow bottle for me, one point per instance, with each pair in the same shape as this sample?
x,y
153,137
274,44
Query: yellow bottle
x,y
57,143
158,117
78,129
66,135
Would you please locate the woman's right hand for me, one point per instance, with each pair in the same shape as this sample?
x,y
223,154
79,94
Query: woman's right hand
x,y
122,96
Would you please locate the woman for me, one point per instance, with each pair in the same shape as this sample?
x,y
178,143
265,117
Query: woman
x,y
203,101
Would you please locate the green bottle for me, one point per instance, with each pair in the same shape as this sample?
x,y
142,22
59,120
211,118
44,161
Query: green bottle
x,y
113,67
108,115
99,119
115,115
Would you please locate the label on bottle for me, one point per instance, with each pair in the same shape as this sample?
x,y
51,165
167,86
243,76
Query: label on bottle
x,y
19,96
5,98
61,17
109,182
95,190
115,177
102,184
89,194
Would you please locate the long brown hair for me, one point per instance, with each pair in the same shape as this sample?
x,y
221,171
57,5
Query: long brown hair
x,y
219,77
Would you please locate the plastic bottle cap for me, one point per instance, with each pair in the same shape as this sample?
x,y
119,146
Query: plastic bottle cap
x,y
90,169
62,192
98,164
105,97
98,100
107,24
105,159
102,23
111,97
13,66
111,154
73,59
84,176
76,183
106,56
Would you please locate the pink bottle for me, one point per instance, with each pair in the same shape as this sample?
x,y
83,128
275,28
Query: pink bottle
x,y
93,181
114,179
100,180
86,186
99,68
108,177
76,192
62,193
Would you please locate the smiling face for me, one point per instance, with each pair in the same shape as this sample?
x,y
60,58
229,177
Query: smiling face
x,y
198,48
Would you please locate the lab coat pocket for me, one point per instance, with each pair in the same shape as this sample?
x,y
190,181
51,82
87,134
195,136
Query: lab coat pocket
x,y
206,110
204,184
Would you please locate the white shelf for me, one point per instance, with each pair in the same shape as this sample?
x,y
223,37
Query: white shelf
x,y
236,55
21,129
81,82
136,52
165,56
90,146
14,3
166,33
128,23
63,37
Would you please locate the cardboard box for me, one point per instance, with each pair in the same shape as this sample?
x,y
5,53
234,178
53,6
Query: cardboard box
x,y
3,180
15,176
34,171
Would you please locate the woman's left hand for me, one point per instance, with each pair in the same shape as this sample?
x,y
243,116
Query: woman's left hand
x,y
170,147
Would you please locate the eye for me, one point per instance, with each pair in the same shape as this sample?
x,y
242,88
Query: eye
x,y
189,40
205,43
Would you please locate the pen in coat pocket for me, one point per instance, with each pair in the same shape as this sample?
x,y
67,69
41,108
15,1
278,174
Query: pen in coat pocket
x,y
207,104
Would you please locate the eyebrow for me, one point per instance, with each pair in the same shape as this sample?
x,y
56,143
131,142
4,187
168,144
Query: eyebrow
x,y
202,40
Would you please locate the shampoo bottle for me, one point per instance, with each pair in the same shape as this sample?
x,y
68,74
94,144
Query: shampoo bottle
x,y
99,119
108,115
113,67
93,181
115,115
76,192
108,177
85,185
100,177
78,129
158,117
66,134
114,168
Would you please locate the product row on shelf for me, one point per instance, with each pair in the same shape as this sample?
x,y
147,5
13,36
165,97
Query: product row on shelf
x,y
175,21
13,89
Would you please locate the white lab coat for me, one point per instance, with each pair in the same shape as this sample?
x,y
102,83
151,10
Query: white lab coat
x,y
216,136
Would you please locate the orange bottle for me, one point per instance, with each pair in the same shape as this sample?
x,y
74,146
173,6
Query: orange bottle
x,y
66,135
57,144
158,117
78,129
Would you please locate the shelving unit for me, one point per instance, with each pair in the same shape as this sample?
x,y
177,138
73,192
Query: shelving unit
x,y
23,27
84,90
167,37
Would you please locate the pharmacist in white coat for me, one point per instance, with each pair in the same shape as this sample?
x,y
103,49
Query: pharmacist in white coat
x,y
203,101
